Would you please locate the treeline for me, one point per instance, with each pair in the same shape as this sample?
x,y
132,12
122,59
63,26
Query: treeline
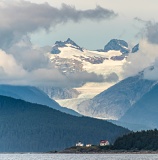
x,y
28,127
143,140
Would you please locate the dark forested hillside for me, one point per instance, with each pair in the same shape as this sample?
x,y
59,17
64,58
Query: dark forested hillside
x,y
144,140
33,95
28,127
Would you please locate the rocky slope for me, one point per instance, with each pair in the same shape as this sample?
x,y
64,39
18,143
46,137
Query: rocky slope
x,y
144,111
114,102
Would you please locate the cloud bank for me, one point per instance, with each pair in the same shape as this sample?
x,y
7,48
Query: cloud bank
x,y
19,18
24,64
144,58
152,32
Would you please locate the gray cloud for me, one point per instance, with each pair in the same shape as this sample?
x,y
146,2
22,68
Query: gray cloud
x,y
152,32
20,61
149,31
146,59
141,60
80,78
29,57
112,77
21,17
25,64
140,20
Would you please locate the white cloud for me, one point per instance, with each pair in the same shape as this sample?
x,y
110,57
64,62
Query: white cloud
x,y
145,57
21,62
25,65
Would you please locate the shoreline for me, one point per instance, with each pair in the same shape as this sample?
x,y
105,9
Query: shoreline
x,y
110,152
102,150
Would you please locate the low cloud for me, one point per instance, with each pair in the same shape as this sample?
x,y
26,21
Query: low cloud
x,y
112,77
144,58
80,78
19,18
24,64
151,73
152,32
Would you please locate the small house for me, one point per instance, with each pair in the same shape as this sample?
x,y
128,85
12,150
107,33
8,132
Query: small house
x,y
79,144
88,145
104,143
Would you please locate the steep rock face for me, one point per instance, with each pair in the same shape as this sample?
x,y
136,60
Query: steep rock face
x,y
28,127
135,48
117,45
61,44
60,93
144,111
34,95
115,101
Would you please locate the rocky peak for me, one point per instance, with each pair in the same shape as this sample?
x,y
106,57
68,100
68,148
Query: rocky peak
x,y
61,44
117,45
135,48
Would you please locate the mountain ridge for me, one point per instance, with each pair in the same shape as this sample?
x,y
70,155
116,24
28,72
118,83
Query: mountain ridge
x,y
34,95
28,127
116,100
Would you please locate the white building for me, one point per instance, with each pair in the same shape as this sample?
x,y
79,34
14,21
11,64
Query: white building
x,y
79,144
104,143
88,145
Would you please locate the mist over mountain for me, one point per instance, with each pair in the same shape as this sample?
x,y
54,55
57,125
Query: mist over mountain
x,y
34,95
114,102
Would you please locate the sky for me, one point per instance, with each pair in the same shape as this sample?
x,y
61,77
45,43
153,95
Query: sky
x,y
27,26
94,35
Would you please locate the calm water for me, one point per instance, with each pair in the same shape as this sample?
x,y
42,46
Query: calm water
x,y
78,157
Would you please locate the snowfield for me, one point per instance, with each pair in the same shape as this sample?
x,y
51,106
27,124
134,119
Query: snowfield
x,y
72,60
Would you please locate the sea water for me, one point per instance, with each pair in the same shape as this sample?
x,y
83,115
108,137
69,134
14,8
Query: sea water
x,y
78,157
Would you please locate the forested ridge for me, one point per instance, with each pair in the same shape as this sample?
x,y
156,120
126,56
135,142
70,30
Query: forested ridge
x,y
140,142
144,140
28,127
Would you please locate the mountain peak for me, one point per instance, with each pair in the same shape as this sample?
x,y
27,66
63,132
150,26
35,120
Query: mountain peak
x,y
117,45
61,44
135,48
69,40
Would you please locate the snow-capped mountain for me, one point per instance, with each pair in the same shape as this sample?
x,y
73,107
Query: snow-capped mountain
x,y
74,61
97,71
114,102
117,45
62,44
